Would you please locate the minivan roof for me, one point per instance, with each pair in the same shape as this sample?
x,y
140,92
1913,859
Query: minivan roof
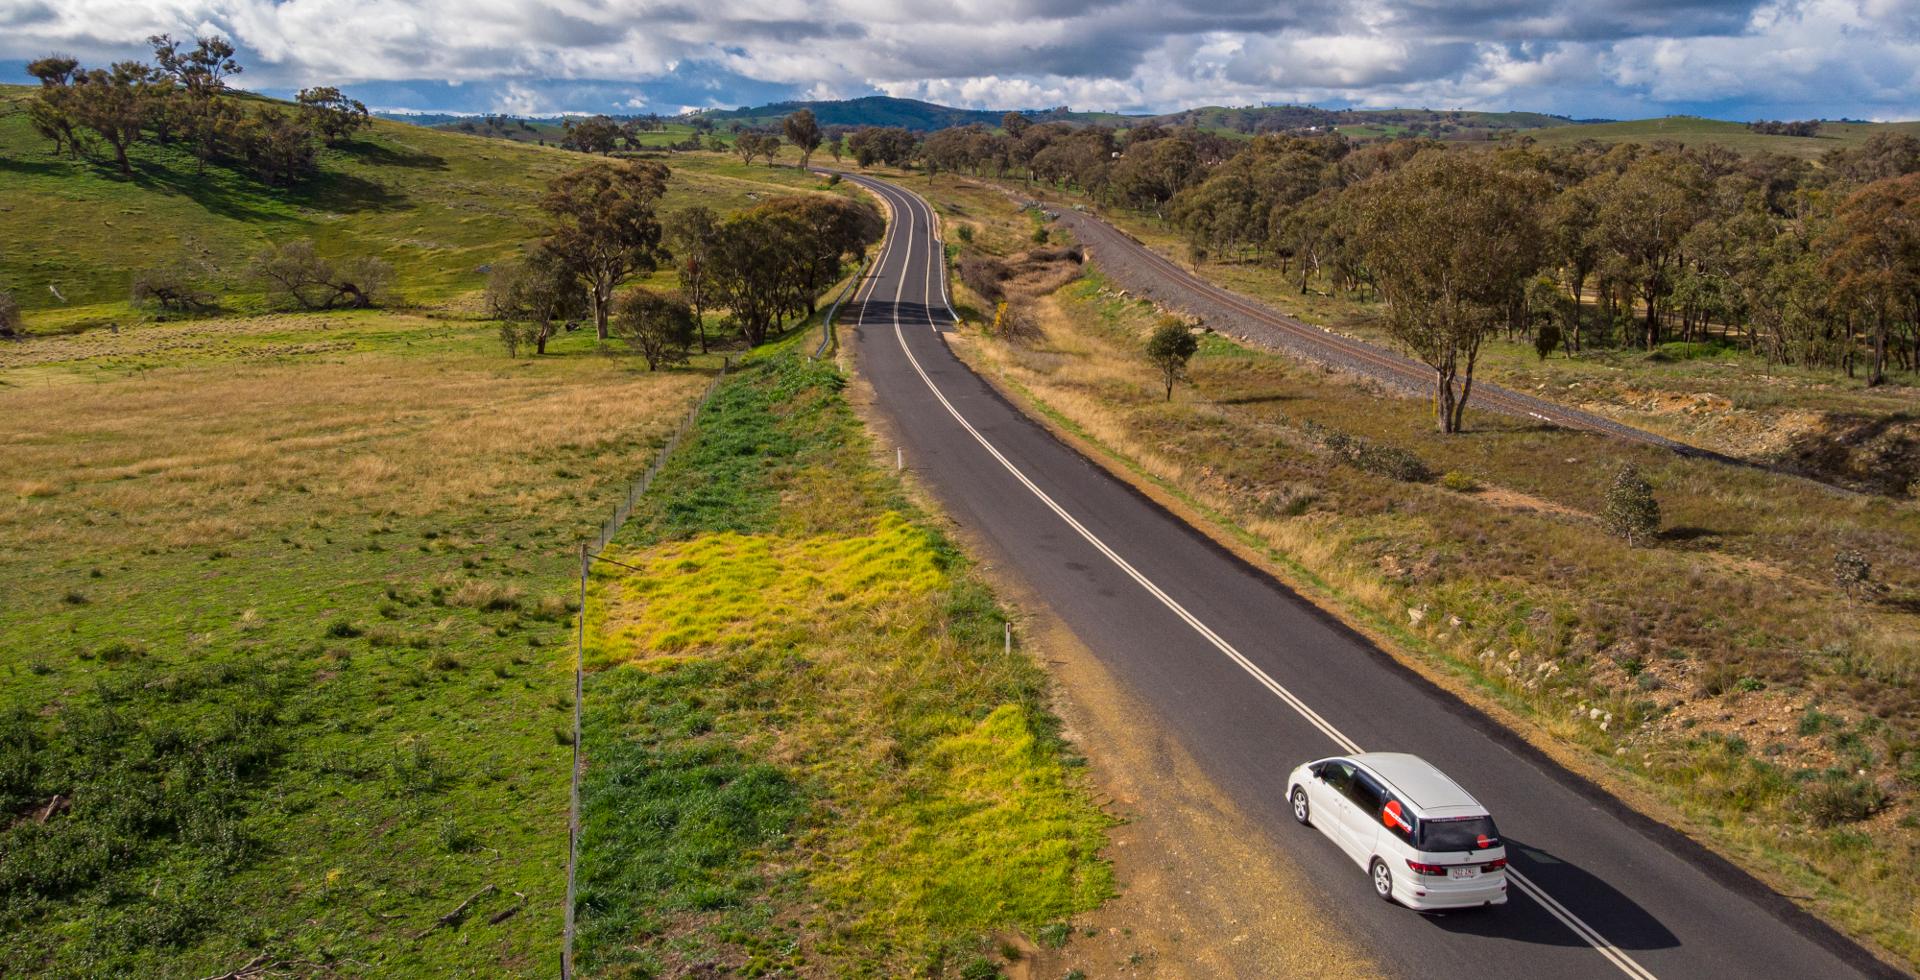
x,y
1417,780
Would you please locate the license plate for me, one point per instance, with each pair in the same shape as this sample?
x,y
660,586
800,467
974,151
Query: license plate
x,y
1466,872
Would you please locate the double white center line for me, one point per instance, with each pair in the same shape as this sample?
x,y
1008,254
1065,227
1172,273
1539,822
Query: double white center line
x,y
907,208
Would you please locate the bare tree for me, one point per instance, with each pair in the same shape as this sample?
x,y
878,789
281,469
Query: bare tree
x,y
295,274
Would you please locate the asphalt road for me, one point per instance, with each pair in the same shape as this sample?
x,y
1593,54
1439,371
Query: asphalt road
x,y
1252,680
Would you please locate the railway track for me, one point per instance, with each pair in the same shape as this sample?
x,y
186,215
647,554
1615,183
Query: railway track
x,y
1144,270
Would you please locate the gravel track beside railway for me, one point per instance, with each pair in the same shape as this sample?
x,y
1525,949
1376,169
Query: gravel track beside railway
x,y
1145,272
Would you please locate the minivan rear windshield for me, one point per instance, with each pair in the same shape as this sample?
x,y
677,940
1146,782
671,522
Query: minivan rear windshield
x,y
1463,834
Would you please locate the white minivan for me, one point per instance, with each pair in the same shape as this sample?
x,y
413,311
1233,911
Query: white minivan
x,y
1424,841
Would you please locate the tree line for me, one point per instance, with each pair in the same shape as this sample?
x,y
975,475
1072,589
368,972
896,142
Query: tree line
x,y
182,98
604,227
1803,262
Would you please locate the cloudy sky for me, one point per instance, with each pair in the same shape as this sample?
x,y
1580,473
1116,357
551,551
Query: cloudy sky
x,y
1586,58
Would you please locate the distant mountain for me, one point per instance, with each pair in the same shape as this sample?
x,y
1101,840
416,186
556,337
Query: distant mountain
x,y
882,110
874,110
913,114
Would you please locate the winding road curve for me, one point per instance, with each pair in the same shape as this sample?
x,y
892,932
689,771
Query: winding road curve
x,y
1251,680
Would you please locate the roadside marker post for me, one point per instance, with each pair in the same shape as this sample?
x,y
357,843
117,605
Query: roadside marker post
x,y
899,458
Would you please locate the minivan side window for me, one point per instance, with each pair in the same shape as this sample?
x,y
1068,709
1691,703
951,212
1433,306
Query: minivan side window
x,y
1339,777
1366,794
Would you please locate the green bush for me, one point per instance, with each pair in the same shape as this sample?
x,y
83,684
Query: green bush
x,y
1831,802
1458,481
121,650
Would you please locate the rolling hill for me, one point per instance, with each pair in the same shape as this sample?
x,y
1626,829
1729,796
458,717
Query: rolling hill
x,y
439,206
1696,131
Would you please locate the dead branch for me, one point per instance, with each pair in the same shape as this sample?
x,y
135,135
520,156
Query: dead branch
x,y
256,967
454,917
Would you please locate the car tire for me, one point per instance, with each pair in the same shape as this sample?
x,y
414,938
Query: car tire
x,y
1382,879
1301,810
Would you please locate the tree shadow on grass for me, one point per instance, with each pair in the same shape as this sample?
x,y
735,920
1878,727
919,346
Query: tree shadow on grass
x,y
381,155
38,168
214,188
1255,399
1689,532
345,193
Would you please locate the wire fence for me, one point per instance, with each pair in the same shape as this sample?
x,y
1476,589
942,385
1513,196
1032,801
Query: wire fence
x,y
589,553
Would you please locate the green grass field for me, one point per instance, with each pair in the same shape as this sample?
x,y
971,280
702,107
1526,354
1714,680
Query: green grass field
x,y
287,627
808,753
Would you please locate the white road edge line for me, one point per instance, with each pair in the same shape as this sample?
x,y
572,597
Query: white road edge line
x,y
1178,610
1613,954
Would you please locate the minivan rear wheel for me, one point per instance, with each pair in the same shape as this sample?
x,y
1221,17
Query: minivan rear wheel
x,y
1382,880
1301,811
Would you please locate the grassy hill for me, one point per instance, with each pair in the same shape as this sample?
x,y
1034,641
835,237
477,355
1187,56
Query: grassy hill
x,y
1696,131
440,206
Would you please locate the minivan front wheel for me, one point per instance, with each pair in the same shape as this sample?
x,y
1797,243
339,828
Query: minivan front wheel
x,y
1382,880
1301,811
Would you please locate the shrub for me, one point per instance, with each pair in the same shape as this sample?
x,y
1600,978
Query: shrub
x,y
10,320
1853,574
343,629
455,839
1387,461
515,335
295,274
120,650
415,770
984,274
1831,802
1631,511
1458,481
659,325
979,968
1040,236
172,287
965,233
1545,340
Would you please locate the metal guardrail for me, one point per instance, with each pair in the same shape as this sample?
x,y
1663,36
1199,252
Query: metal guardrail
x,y
826,325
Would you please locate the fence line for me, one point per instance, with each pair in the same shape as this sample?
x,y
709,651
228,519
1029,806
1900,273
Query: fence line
x,y
826,325
590,552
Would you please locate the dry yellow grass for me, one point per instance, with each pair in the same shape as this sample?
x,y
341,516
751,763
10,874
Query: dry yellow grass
x,y
210,452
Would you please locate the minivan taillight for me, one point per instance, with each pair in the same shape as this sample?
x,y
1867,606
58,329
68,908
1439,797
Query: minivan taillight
x,y
1494,865
1437,870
